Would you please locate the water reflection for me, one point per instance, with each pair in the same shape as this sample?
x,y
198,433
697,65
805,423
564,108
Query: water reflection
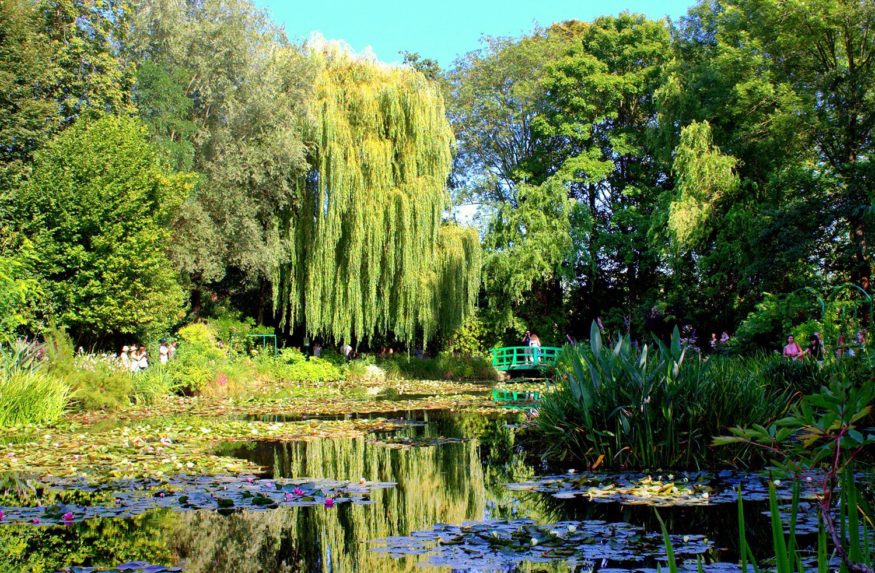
x,y
450,483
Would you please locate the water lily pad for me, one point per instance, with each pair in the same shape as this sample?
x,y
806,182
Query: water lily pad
x,y
486,545
185,493
664,490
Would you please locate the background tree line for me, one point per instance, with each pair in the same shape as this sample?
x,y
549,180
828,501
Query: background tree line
x,y
166,158
706,167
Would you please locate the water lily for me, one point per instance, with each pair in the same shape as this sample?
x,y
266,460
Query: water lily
x,y
2,515
777,482
250,480
329,502
572,528
269,485
534,541
35,520
298,491
67,516
288,496
686,538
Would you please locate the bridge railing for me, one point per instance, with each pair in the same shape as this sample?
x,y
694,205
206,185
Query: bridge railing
x,y
524,357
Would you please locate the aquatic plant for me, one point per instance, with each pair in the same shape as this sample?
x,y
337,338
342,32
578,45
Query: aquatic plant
x,y
29,392
656,406
825,430
506,544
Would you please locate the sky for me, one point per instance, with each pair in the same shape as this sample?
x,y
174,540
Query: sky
x,y
445,29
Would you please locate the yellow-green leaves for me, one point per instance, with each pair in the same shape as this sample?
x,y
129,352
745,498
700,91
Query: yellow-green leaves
x,y
703,177
370,254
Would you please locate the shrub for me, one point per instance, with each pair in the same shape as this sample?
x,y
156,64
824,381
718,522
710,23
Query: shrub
x,y
444,367
104,387
290,365
657,406
154,383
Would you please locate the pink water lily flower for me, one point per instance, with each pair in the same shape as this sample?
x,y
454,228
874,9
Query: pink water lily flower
x,y
35,520
2,515
67,516
298,491
329,502
250,480
288,496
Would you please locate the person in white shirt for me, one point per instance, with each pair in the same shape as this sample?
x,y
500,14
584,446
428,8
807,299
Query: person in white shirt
x,y
163,352
124,358
143,359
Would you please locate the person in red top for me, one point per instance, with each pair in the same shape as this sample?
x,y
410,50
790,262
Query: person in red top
x,y
793,351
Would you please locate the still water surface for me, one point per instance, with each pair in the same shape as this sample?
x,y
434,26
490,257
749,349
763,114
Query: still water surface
x,y
449,468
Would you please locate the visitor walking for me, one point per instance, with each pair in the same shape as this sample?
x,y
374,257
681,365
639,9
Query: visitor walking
x,y
134,360
527,339
535,345
124,358
815,348
143,358
163,352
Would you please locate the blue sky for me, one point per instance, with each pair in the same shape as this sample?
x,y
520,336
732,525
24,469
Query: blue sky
x,y
444,29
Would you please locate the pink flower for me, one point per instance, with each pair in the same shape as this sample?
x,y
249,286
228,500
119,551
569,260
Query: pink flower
x,y
288,496
298,491
329,502
269,485
67,516
250,480
35,520
1,515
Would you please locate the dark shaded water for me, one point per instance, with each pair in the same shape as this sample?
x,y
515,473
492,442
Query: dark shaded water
x,y
438,481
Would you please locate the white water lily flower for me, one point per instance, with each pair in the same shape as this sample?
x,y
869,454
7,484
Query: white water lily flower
x,y
572,529
686,538
705,495
777,482
554,533
534,541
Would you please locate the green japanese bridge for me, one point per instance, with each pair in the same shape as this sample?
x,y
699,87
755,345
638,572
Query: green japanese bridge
x,y
524,357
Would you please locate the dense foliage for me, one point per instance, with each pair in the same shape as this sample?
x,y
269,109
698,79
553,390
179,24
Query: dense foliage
x,y
699,171
708,161
661,405
152,148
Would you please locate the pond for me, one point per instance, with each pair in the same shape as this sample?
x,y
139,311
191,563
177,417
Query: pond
x,y
432,491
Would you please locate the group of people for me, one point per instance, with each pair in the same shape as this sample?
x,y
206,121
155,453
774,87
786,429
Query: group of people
x,y
794,351
534,343
721,343
136,358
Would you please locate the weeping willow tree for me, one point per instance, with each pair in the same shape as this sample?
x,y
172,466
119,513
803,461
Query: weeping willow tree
x,y
369,252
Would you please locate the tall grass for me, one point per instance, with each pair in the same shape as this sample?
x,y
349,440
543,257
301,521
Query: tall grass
x,y
654,406
29,393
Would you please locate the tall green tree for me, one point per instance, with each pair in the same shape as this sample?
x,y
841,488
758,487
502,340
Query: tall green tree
x,y
371,254
599,102
222,90
28,114
783,87
96,210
